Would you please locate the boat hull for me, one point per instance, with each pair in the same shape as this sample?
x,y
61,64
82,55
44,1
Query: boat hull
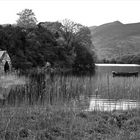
x,y
125,74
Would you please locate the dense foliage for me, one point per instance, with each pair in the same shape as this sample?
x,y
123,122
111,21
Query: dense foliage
x,y
33,47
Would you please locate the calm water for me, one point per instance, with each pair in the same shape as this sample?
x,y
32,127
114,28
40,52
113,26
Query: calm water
x,y
122,91
102,69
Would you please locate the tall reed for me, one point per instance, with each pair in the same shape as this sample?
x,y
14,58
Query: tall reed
x,y
43,89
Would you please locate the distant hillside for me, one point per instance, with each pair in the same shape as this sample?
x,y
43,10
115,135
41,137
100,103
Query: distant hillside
x,y
116,39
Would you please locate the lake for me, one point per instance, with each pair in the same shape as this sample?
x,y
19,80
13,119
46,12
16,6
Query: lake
x,y
114,93
102,69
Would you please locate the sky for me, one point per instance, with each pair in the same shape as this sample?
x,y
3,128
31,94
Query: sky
x,y
85,12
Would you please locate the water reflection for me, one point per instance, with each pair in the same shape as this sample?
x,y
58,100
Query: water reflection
x,y
98,104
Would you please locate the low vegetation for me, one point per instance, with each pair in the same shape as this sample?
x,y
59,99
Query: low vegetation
x,y
63,123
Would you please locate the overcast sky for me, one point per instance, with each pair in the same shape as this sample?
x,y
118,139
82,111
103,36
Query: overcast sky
x,y
86,12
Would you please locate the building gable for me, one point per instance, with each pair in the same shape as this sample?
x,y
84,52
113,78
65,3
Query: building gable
x,y
4,56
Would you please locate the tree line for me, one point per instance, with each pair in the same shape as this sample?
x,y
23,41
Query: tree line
x,y
124,59
65,45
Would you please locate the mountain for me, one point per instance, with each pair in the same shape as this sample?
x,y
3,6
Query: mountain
x,y
115,39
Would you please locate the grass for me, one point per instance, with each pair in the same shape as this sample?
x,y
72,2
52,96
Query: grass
x,y
62,123
53,108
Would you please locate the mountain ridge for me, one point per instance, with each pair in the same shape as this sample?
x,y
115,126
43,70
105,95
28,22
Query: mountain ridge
x,y
115,39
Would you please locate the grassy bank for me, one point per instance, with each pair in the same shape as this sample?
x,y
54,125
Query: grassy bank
x,y
63,123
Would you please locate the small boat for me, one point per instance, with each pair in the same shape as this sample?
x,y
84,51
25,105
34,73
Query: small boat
x,y
125,74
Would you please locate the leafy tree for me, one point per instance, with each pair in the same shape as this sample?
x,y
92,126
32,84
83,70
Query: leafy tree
x,y
26,19
84,62
68,31
78,38
76,33
28,48
67,35
41,46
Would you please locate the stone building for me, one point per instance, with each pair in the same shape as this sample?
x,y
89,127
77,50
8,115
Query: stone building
x,y
4,56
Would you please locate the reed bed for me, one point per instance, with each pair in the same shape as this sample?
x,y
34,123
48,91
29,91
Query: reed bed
x,y
119,87
43,89
54,108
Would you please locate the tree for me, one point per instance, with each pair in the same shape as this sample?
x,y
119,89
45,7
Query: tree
x,y
26,19
78,45
84,62
68,31
73,32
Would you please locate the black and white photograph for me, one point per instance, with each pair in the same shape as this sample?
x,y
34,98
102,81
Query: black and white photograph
x,y
69,69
